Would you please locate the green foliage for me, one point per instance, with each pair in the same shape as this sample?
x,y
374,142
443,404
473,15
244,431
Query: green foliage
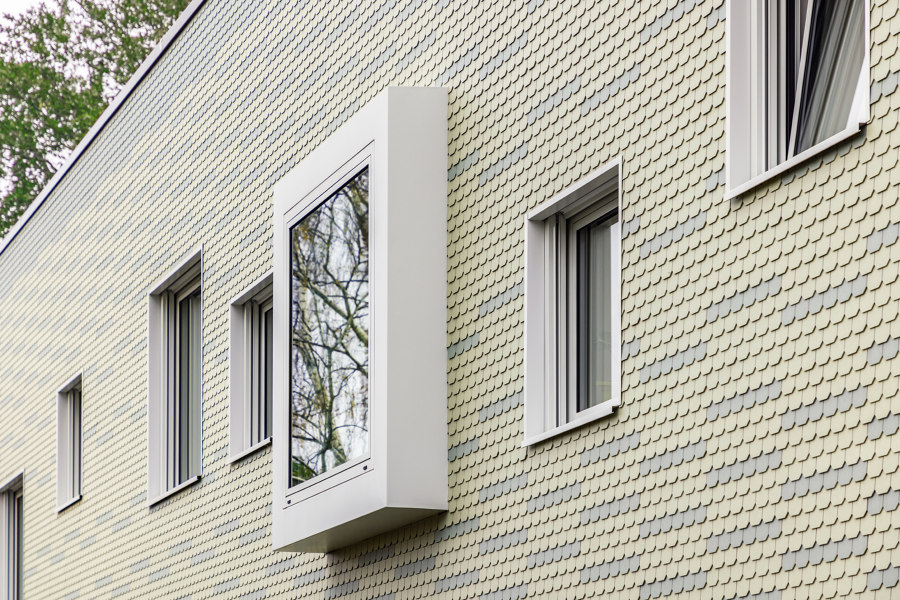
x,y
61,63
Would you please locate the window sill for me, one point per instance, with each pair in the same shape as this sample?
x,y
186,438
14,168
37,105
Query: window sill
x,y
584,418
251,450
793,162
174,490
68,503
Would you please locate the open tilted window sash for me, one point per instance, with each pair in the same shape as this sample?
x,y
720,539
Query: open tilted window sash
x,y
799,81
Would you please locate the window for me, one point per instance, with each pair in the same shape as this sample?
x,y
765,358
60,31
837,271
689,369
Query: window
x,y
11,539
329,315
251,380
175,376
360,343
68,444
572,295
798,82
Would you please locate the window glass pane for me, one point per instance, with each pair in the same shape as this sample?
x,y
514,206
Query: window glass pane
x,y
76,443
267,402
595,294
17,586
330,333
835,53
188,383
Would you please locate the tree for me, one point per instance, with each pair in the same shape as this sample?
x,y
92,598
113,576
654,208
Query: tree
x,y
330,332
61,63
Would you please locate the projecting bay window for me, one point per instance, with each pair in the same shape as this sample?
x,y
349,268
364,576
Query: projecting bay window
x,y
252,318
175,372
11,539
798,82
360,427
68,444
572,295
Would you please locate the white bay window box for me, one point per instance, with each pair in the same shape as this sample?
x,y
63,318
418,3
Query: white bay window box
x,y
360,385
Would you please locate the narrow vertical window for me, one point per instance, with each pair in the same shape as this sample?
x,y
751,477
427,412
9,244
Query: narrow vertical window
x,y
175,381
329,358
11,540
269,379
251,369
586,314
68,444
259,375
186,396
597,260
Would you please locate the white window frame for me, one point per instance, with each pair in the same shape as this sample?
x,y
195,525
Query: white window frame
x,y
401,135
246,367
69,442
11,522
550,326
743,97
164,448
333,183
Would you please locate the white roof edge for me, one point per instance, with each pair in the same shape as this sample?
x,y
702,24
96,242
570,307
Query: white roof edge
x,y
183,19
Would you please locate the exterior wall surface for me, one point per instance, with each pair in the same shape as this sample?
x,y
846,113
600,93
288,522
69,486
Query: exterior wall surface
x,y
752,454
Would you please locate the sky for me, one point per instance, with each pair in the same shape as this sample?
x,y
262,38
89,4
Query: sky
x,y
15,6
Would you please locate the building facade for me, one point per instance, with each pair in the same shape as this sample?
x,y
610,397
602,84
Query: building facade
x,y
744,449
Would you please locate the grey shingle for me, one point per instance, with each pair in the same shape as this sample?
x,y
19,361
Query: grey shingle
x,y
414,568
887,502
503,56
825,407
611,448
611,89
828,480
501,542
747,399
515,592
611,568
453,582
879,578
812,305
818,553
554,100
498,407
554,497
743,536
511,484
557,553
456,529
885,426
744,468
672,235
612,508
673,362
744,299
673,458
673,585
673,521
507,161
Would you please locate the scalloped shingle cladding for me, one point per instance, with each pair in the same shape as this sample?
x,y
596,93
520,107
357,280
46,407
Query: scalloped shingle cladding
x,y
753,455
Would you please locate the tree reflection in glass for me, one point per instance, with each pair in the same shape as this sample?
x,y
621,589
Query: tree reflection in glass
x,y
330,332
